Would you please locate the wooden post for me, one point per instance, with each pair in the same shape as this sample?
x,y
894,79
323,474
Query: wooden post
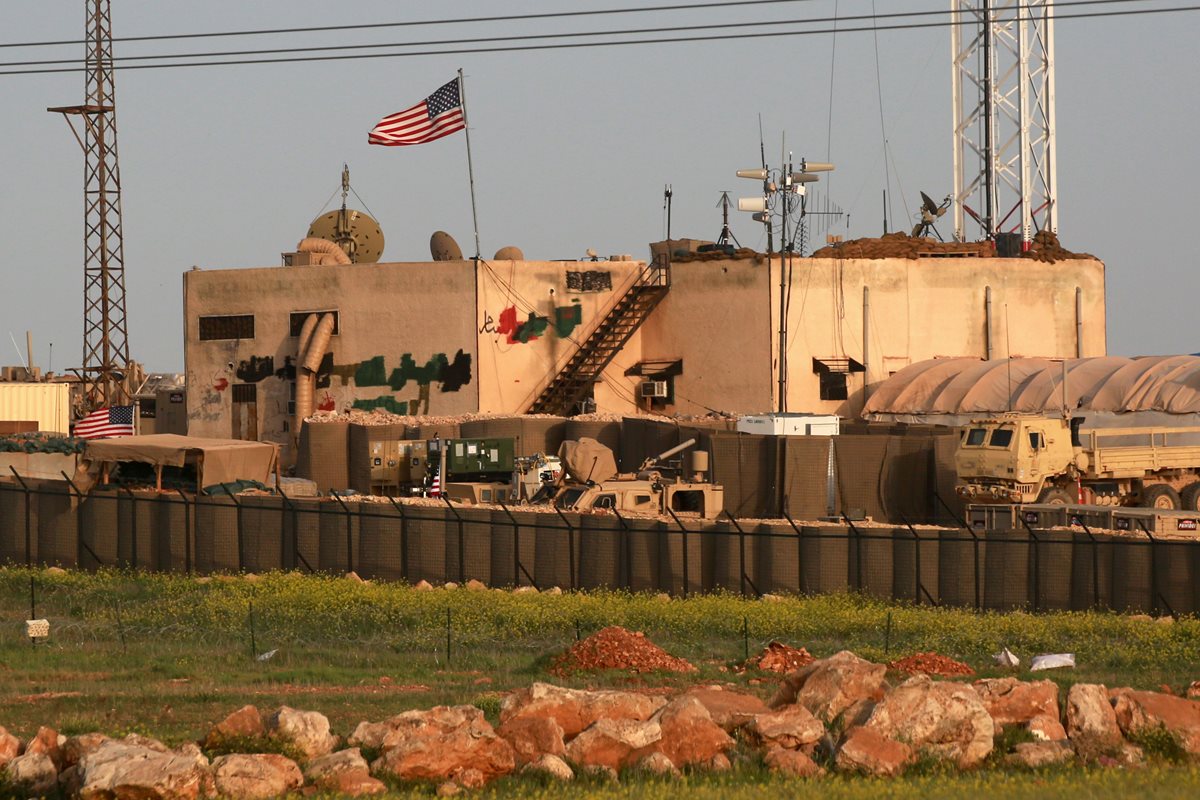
x,y
158,477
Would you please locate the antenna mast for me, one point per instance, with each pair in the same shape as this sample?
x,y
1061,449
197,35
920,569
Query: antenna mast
x,y
726,231
1005,165
105,339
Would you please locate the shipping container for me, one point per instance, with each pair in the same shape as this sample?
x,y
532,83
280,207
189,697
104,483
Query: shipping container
x,y
47,404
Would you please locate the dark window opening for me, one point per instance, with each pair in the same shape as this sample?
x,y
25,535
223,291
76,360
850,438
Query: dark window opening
x,y
833,386
148,408
239,326
1001,437
689,501
605,501
296,321
976,437
1035,440
245,393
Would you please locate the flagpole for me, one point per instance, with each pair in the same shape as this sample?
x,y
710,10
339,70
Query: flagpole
x,y
462,93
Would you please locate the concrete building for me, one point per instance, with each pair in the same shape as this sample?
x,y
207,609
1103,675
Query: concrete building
x,y
451,337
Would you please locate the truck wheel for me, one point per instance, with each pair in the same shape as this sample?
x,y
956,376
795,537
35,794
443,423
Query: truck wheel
x,y
1191,497
1054,496
1162,496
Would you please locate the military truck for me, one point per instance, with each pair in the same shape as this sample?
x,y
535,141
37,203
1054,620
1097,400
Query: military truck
x,y
470,470
1028,458
595,485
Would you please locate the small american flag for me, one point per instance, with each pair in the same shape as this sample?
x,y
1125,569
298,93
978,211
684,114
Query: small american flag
x,y
106,422
435,486
438,115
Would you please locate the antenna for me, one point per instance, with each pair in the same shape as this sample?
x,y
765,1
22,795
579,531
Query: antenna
x,y
667,194
726,232
1008,353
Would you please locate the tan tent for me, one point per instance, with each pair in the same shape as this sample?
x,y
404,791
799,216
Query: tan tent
x,y
587,460
216,460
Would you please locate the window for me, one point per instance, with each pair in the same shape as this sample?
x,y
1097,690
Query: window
x,y
641,499
245,393
605,501
1001,437
833,386
296,321
976,437
569,498
240,326
1035,440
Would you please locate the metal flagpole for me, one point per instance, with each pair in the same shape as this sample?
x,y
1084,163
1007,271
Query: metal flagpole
x,y
462,95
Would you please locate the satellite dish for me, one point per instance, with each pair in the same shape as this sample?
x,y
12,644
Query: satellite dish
x,y
356,232
930,213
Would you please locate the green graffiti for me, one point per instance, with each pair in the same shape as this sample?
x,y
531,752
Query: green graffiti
x,y
371,373
422,376
387,403
567,318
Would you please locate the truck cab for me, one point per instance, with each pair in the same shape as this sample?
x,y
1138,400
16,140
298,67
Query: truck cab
x,y
1014,459
637,496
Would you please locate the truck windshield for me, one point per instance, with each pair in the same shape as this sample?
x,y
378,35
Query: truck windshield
x,y
569,498
976,436
1001,437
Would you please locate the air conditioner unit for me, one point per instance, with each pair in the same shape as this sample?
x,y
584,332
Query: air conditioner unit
x,y
653,389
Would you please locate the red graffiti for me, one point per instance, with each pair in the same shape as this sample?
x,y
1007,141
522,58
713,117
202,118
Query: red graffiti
x,y
524,332
221,385
327,403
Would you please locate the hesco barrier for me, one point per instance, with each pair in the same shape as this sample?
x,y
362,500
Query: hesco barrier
x,y
1039,569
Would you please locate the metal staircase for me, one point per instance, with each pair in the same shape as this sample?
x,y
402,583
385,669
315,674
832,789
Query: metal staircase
x,y
572,383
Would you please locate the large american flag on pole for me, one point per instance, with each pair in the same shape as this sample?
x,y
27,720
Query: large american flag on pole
x,y
104,423
438,115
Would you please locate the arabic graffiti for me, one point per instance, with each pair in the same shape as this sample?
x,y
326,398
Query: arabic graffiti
x,y
566,320
592,281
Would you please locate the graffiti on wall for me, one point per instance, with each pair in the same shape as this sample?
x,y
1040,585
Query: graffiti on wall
x,y
591,281
515,331
450,375
324,371
255,369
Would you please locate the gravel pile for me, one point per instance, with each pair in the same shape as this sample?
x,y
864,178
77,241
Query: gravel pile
x,y
615,648
901,245
931,664
781,658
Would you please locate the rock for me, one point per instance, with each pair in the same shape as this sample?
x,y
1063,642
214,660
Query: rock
x,y
434,744
34,774
255,777
448,789
613,743
1014,702
1035,755
576,709
658,764
720,763
791,762
54,571
469,778
771,598
48,742
865,750
1046,729
553,591
1137,711
525,590
307,730
476,586
450,585
10,747
120,771
345,773
423,586
943,718
729,709
76,747
550,765
533,737
599,771
689,734
663,597
829,686
353,577
245,723
509,253
1193,691
1090,716
150,743
790,728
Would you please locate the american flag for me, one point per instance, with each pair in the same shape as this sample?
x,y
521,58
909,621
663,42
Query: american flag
x,y
106,422
438,115
435,486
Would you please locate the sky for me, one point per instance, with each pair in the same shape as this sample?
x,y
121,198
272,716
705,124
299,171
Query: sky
x,y
224,167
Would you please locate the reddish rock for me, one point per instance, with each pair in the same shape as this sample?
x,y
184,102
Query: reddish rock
x,y
689,734
469,778
613,743
575,709
1193,691
790,728
792,762
1014,702
658,764
258,776
1090,716
864,750
76,747
307,730
434,744
245,723
10,747
1138,711
1035,755
533,737
1046,729
831,685
50,743
121,771
728,709
344,772
553,766
945,719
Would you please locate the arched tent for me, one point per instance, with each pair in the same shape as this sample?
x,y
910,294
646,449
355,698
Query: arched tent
x,y
1152,390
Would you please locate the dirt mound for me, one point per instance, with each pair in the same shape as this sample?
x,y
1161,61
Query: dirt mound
x,y
618,649
1046,247
901,245
931,664
779,657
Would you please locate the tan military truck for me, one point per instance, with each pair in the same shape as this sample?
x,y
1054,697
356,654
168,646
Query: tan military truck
x,y
594,484
1025,458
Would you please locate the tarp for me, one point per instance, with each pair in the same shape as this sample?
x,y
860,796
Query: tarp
x,y
219,460
587,460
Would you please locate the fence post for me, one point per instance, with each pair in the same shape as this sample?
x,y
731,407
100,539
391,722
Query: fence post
x,y
1037,562
1154,598
241,547
1095,564
857,553
974,545
799,552
133,526
518,567
28,521
626,548
570,546
462,556
683,534
349,532
187,532
742,556
918,584
80,544
403,537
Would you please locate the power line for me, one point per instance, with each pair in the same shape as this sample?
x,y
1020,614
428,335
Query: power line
x,y
577,45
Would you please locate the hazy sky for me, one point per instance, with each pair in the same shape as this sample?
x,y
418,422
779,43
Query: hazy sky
x,y
225,166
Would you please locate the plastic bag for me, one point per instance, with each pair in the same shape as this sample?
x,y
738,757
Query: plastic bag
x,y
1006,658
1052,661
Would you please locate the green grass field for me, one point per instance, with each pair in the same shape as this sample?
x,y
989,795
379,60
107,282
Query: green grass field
x,y
168,655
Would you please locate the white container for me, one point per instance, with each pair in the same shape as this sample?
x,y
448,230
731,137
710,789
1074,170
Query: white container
x,y
48,404
791,424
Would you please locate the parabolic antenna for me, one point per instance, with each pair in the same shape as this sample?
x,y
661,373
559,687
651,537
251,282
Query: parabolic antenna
x,y
356,232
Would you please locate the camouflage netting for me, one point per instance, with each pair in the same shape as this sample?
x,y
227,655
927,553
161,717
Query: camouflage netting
x,y
1045,247
682,256
41,443
901,245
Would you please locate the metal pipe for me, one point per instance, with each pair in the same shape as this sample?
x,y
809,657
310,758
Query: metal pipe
x,y
987,322
866,348
679,448
1078,322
